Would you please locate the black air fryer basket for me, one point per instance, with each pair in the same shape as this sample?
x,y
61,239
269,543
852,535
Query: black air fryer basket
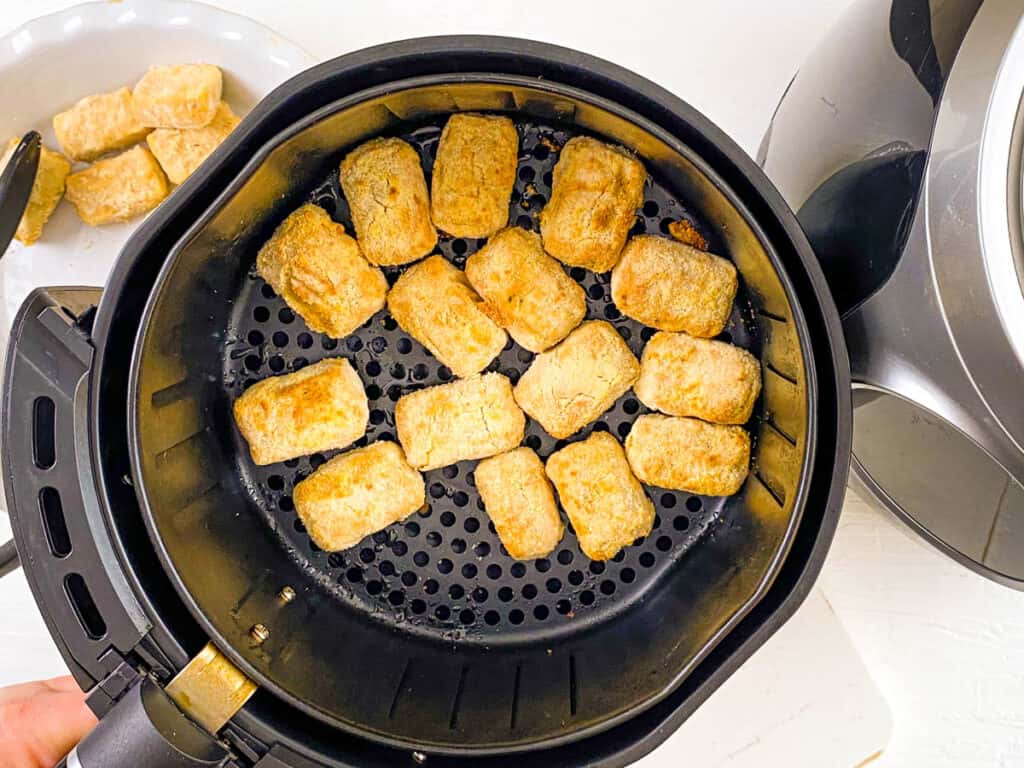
x,y
146,530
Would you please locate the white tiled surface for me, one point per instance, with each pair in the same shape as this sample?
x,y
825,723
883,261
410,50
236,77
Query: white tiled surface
x,y
945,647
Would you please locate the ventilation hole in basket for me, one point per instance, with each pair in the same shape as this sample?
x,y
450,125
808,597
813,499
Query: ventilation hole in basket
x,y
492,618
389,323
354,575
456,592
619,556
526,173
611,312
725,336
681,523
624,332
354,344
397,371
450,472
554,586
261,314
420,372
627,575
529,591
374,587
421,558
380,537
565,557
533,442
412,528
276,364
285,315
399,548
298,526
396,597
445,566
541,612
409,578
650,209
469,571
286,504
336,560
607,587
482,549
373,368
404,346
436,491
434,539
596,291
466,616
564,607
373,392
367,555
646,559
253,363
430,586
596,567
443,612
543,565
255,338
378,345
515,616
518,570
275,482
494,571
459,246
524,222
664,543
664,225
480,595
505,594
448,519
418,607
328,343
694,504
458,545
304,340
646,333
377,417
461,499
267,291
280,339
575,578
587,597
444,373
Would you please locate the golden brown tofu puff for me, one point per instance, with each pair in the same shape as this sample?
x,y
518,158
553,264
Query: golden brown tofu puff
x,y
318,408
99,124
387,196
596,189
356,494
47,190
672,287
571,385
466,419
318,269
526,291
606,504
181,150
178,96
518,497
688,454
474,173
684,376
118,188
435,304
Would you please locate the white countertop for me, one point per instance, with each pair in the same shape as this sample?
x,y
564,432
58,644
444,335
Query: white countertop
x,y
945,647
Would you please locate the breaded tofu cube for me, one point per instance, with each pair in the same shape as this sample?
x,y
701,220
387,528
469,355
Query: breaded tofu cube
x,y
181,150
606,504
178,96
474,173
671,286
518,497
435,304
99,124
526,291
356,494
685,376
688,454
387,195
466,419
47,190
595,192
318,408
118,188
319,270
571,385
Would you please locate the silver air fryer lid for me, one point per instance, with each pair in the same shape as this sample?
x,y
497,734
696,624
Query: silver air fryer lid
x,y
920,232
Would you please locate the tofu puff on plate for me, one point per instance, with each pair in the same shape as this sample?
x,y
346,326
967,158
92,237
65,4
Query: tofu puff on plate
x,y
318,408
118,188
595,191
386,191
474,172
47,189
605,502
178,95
435,304
181,150
526,291
466,419
98,124
321,273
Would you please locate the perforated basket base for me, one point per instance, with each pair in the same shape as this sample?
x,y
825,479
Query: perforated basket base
x,y
443,571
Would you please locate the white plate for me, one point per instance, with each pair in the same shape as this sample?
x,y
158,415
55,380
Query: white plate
x,y
51,62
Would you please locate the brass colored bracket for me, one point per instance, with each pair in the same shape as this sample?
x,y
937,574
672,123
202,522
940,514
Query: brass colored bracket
x,y
210,689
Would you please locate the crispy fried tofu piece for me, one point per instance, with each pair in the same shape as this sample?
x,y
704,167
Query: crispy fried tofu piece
x,y
466,419
118,188
435,304
606,504
358,493
178,96
99,124
518,497
595,191
181,150
525,290
47,190
673,287
685,376
571,385
387,195
474,173
688,454
318,408
685,232
319,270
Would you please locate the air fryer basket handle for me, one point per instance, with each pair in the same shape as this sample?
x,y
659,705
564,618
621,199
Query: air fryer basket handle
x,y
145,728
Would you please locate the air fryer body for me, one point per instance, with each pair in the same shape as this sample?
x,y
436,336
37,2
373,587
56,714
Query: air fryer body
x,y
911,201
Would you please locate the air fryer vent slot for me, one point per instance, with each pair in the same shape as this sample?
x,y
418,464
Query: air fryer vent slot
x,y
44,424
84,606
54,524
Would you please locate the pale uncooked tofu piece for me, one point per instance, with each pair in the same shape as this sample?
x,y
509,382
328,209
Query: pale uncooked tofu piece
x,y
474,173
435,304
319,270
386,192
604,501
466,419
672,286
525,290
688,454
519,499
317,408
118,188
686,376
356,494
595,192
178,95
47,190
572,384
98,124
181,150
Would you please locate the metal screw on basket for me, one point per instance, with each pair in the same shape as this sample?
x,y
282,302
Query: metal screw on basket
x,y
286,595
419,758
259,633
